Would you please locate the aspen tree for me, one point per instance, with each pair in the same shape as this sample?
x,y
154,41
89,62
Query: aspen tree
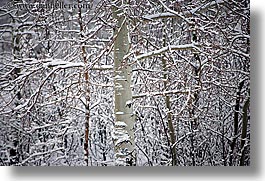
x,y
124,119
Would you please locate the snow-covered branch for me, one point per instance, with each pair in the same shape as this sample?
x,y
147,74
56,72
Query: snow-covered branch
x,y
166,49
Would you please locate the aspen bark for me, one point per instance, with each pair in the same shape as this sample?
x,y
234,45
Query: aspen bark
x,y
124,119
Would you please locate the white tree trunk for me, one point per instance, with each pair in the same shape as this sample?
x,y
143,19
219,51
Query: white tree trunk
x,y
124,119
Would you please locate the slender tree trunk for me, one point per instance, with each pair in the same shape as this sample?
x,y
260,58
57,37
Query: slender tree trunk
x,y
14,151
124,119
86,87
169,120
168,106
244,131
236,121
196,63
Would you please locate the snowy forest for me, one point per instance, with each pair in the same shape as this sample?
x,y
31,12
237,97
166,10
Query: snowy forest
x,y
125,83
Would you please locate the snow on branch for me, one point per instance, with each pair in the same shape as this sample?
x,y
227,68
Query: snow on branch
x,y
65,64
167,48
160,93
159,15
246,55
61,64
207,5
173,14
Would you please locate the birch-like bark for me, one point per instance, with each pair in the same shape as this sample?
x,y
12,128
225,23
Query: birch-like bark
x,y
124,119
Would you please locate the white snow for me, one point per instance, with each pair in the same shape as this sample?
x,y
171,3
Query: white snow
x,y
60,63
120,124
167,48
119,113
128,102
